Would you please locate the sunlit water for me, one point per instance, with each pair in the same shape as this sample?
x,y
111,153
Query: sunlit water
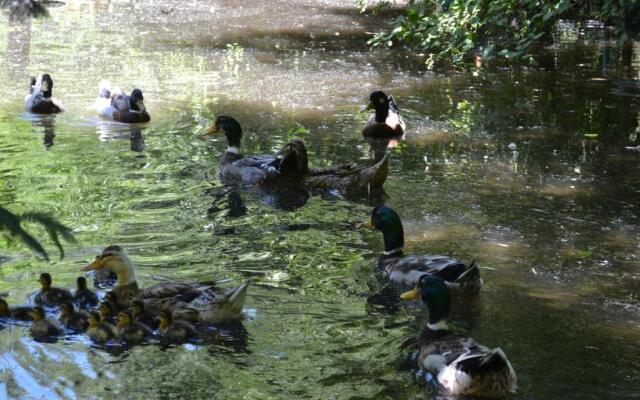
x,y
525,172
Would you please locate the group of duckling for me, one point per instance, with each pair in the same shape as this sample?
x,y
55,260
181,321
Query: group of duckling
x,y
179,312
459,364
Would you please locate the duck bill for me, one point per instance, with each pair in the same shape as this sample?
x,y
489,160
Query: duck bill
x,y
212,130
410,295
369,106
367,225
97,264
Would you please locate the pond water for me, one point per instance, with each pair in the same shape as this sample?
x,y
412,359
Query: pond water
x,y
526,172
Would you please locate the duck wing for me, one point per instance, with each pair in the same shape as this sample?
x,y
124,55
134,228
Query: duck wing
x,y
180,291
409,269
349,178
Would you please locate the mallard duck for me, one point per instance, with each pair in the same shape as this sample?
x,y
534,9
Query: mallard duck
x,y
99,331
72,319
107,312
20,313
184,298
141,314
461,366
386,122
407,270
131,331
290,165
116,105
39,99
51,296
41,327
84,297
175,331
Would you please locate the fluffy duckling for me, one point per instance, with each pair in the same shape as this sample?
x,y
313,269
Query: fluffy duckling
x,y
116,105
141,314
107,312
20,313
386,122
407,269
131,331
39,99
175,331
112,297
51,296
83,296
99,331
461,366
72,319
41,327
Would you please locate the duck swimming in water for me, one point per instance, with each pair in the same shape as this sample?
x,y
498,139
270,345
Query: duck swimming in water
x,y
83,296
290,166
19,313
51,296
40,99
386,122
99,331
115,105
460,365
407,269
207,303
41,327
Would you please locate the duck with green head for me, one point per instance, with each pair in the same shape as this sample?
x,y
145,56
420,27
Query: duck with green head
x,y
407,269
386,122
459,364
114,104
40,99
291,165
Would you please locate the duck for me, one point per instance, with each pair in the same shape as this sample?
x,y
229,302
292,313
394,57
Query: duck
x,y
386,121
99,331
40,99
116,305
72,319
115,105
41,327
175,331
19,313
407,269
131,331
107,312
83,296
50,296
460,365
290,166
194,300
141,314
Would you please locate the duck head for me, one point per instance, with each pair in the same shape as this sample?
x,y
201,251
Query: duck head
x,y
81,283
47,86
379,101
124,319
388,222
106,309
4,308
231,129
45,280
37,313
93,319
114,259
136,101
435,293
294,158
66,309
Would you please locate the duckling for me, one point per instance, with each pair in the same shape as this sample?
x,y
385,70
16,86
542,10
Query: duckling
x,y
72,319
99,331
290,166
131,331
107,312
51,296
461,366
41,327
84,297
140,314
20,313
408,269
386,122
116,105
118,306
39,99
175,331
189,298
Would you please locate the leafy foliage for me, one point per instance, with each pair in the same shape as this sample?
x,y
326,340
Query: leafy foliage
x,y
457,30
11,223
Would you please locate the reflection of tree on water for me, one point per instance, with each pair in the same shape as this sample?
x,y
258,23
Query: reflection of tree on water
x,y
18,40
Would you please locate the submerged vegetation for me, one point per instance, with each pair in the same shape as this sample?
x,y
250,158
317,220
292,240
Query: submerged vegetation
x,y
460,31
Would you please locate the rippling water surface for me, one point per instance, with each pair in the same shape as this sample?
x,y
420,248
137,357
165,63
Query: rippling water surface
x,y
525,172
